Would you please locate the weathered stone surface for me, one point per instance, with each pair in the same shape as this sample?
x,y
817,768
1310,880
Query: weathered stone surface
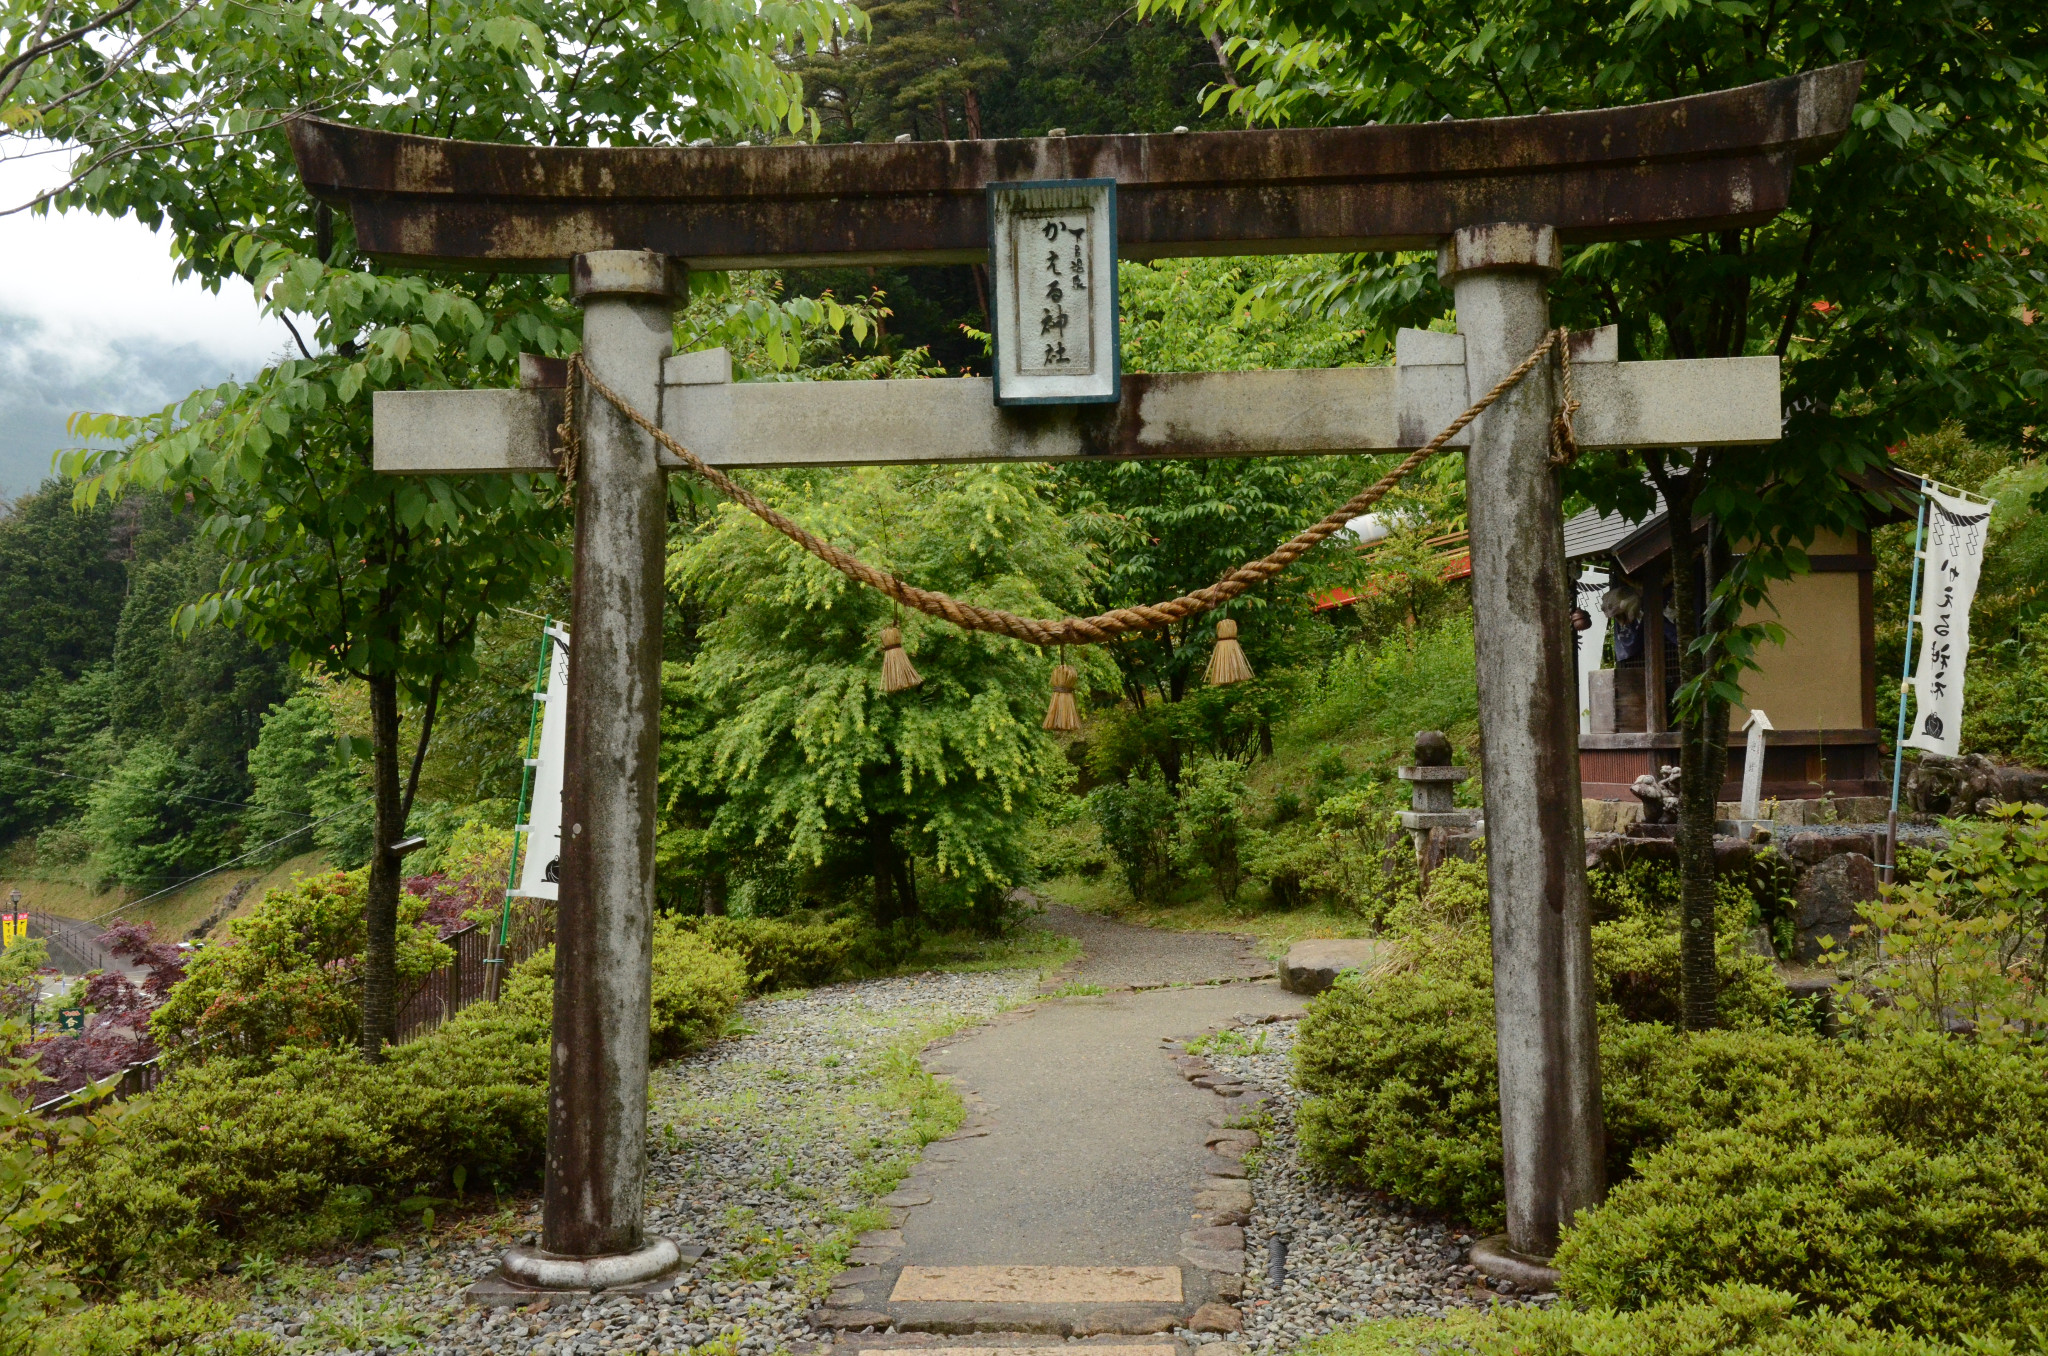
x,y
1038,1285
906,1196
856,1276
1234,1215
1493,1257
1230,1288
1216,1259
1217,1318
1233,1135
1223,1237
1827,898
1313,966
1223,1167
2028,785
1811,849
1940,785
881,1238
1119,1320
1232,1149
850,1320
847,1299
871,1255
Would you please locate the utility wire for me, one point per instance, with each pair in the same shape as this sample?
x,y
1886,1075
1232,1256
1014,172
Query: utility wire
x,y
260,847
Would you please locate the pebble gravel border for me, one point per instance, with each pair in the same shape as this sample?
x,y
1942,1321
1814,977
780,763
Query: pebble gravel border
x,y
1348,1256
762,1149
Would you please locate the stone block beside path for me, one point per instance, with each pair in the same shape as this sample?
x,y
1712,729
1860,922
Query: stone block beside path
x,y
1313,966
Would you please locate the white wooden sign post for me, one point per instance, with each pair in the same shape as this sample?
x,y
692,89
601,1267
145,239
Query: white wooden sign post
x,y
1499,199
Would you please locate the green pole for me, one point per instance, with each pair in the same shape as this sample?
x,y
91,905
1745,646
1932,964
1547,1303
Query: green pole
x,y
519,833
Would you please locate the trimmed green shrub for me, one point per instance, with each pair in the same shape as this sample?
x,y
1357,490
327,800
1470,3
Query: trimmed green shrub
x,y
1405,1095
781,954
1906,1186
1729,1320
1402,1075
315,1144
290,973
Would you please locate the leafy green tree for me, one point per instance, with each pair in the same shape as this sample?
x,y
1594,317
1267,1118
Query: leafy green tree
x,y
808,759
368,578
62,579
151,831
305,789
1166,527
54,742
1900,289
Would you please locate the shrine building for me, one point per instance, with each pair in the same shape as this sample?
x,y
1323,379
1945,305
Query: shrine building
x,y
1819,688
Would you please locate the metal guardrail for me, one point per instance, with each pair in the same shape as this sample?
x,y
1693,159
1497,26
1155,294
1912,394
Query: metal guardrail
x,y
468,979
70,939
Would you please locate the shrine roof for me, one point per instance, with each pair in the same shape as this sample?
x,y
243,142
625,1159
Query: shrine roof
x,y
1891,495
1702,162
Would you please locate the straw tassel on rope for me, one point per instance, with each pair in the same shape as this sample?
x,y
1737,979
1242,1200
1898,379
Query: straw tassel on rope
x,y
1062,714
1227,663
897,673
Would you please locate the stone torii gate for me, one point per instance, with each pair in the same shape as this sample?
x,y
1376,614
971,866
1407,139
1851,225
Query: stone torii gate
x,y
1497,198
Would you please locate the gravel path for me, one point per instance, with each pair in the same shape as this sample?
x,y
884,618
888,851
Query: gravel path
x,y
1116,955
767,1150
1350,1256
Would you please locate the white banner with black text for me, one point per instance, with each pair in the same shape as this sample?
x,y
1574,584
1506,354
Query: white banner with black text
x,y
1954,554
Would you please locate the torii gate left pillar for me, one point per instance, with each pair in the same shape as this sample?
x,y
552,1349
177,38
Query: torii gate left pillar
x,y
592,1232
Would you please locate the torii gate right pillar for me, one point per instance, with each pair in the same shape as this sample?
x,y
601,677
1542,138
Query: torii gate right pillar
x,y
1552,1137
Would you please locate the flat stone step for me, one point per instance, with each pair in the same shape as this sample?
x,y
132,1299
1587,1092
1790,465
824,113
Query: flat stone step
x,y
1038,1285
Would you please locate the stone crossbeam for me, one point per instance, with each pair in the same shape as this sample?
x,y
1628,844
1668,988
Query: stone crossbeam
x,y
1303,412
1703,162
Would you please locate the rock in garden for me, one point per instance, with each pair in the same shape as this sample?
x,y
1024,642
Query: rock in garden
x,y
1313,966
1216,1318
1827,900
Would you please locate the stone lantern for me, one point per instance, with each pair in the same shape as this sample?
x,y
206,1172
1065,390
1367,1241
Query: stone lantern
x,y
1431,817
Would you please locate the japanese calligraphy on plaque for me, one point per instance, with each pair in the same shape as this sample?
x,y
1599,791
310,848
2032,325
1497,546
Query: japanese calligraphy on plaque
x,y
1954,558
1052,255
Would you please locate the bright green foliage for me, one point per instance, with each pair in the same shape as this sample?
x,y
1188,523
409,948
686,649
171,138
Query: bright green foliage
x,y
149,831
1904,1187
35,1154
373,578
174,1322
1725,1320
320,1146
302,777
291,974
1339,857
781,953
60,586
1136,822
1734,1319
1401,1068
1168,527
812,760
1403,1093
49,728
1208,828
697,985
1966,941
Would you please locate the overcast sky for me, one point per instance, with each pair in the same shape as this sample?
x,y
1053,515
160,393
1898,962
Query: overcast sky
x,y
91,320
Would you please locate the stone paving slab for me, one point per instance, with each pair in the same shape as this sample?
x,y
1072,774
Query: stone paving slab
x,y
1039,1285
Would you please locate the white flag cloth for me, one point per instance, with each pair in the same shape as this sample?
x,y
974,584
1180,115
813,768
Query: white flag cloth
x,y
1590,589
540,872
1955,556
